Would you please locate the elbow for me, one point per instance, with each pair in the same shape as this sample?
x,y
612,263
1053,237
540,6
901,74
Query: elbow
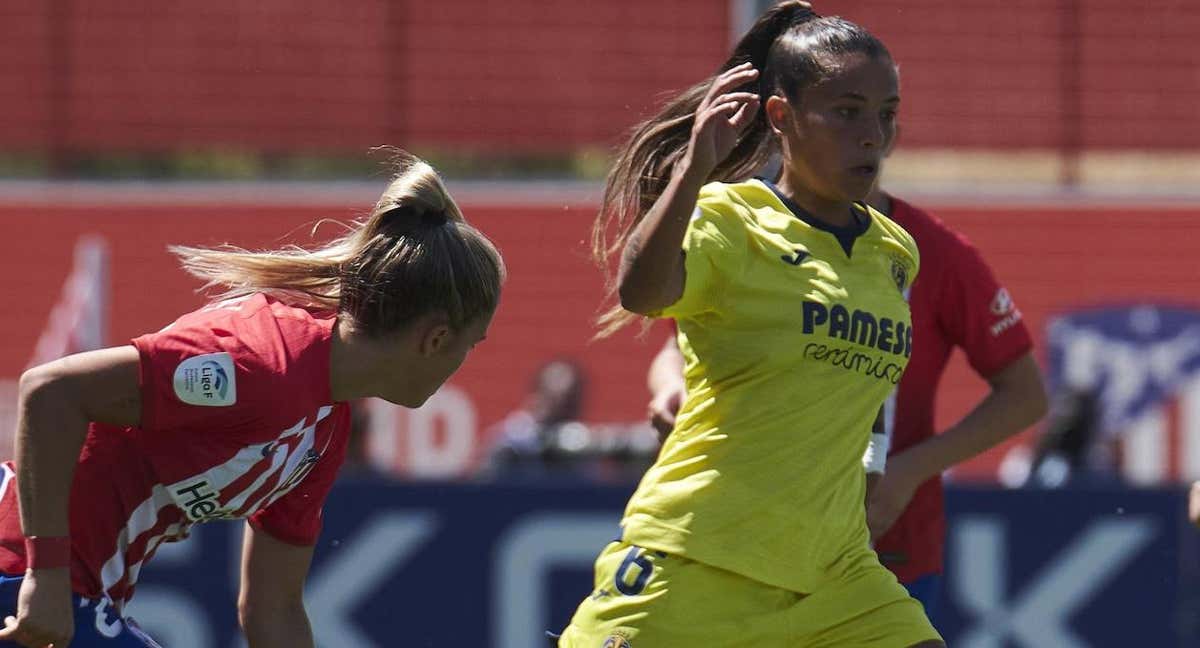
x,y
634,294
1023,393
1037,399
38,386
1029,403
647,294
647,284
634,300
46,391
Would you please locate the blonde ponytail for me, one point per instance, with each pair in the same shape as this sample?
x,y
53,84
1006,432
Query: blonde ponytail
x,y
413,254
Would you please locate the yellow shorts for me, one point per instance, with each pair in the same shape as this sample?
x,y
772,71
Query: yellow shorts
x,y
648,599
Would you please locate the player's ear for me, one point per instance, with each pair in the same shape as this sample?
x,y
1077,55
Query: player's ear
x,y
435,336
779,114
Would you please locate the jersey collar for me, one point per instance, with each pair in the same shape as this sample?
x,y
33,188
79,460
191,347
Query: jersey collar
x,y
844,235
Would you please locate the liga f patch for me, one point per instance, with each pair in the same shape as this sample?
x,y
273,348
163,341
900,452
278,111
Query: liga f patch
x,y
206,380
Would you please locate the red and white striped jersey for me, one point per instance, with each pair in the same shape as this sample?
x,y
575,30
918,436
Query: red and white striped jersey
x,y
237,423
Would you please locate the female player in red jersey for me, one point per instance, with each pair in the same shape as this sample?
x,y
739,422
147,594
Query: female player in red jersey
x,y
956,301
236,411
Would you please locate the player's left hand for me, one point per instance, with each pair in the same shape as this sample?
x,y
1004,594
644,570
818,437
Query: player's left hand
x,y
44,616
891,495
663,407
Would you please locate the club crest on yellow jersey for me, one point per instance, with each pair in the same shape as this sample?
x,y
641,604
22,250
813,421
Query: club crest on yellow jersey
x,y
900,274
617,641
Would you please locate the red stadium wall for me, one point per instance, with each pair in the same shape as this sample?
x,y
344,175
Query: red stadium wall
x,y
1053,258
277,75
536,77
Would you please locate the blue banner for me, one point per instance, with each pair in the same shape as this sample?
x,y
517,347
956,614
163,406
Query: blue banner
x,y
492,565
1069,568
1128,358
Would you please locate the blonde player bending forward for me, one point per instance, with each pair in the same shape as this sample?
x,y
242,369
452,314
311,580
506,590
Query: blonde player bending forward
x,y
237,410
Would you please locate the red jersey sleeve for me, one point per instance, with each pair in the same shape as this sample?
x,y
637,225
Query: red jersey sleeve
x,y
295,518
190,378
978,314
227,368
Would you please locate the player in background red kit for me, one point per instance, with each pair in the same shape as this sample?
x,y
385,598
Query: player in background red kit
x,y
956,301
236,411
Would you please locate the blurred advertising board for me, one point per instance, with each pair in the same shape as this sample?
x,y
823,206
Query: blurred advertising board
x,y
495,565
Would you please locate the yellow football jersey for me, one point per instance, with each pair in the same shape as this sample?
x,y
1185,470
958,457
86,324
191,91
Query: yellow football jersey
x,y
792,344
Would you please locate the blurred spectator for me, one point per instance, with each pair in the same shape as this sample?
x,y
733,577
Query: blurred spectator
x,y
1116,371
1072,449
544,437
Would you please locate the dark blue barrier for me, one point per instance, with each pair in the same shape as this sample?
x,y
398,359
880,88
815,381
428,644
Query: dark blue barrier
x,y
1070,568
461,566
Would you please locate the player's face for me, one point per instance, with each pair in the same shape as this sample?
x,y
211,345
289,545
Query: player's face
x,y
836,138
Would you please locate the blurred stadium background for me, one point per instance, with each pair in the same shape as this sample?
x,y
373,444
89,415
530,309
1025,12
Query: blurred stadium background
x,y
1061,136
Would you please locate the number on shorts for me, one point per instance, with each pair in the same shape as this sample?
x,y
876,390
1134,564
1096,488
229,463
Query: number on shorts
x,y
645,567
104,626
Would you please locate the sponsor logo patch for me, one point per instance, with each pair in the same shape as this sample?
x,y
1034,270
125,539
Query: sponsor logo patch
x,y
206,380
1002,303
1002,306
1008,322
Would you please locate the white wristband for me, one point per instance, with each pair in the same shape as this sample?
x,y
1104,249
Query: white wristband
x,y
875,458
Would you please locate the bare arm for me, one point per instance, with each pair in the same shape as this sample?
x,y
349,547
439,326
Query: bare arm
x,y
56,401
667,388
666,370
652,276
1017,400
271,602
652,265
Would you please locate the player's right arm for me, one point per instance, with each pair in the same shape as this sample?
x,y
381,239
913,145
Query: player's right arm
x,y
56,401
652,270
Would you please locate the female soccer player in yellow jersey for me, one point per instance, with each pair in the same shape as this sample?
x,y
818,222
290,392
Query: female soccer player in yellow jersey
x,y
749,529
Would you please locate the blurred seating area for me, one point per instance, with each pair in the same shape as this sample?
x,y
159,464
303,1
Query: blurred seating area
x,y
1077,92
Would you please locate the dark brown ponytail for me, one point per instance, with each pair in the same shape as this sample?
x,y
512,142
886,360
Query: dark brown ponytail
x,y
643,166
789,46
